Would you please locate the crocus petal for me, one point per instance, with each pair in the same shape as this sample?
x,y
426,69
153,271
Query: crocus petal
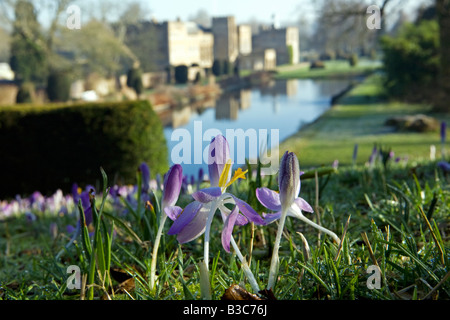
x,y
219,154
185,217
303,205
248,212
269,198
195,228
271,217
86,203
207,194
241,220
289,179
228,228
445,166
173,212
172,185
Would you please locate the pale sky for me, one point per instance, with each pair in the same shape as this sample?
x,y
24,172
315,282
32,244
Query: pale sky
x,y
242,10
286,11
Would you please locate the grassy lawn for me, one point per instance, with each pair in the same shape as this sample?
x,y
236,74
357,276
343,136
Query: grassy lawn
x,y
398,220
359,118
333,69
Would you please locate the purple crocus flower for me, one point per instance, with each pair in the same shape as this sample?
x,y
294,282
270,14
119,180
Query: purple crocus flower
x,y
75,193
443,131
86,204
37,201
173,180
144,169
273,200
172,185
289,184
286,203
445,166
197,216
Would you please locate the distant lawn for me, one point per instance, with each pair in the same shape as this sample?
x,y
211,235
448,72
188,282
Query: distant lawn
x,y
359,118
333,69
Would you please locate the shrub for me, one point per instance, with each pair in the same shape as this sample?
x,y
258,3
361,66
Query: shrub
x,y
181,74
134,80
353,60
411,60
26,93
52,146
58,87
317,65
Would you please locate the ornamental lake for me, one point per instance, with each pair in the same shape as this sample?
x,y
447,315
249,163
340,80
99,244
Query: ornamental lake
x,y
257,117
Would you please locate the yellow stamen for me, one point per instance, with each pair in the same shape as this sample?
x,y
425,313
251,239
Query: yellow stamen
x,y
238,174
224,174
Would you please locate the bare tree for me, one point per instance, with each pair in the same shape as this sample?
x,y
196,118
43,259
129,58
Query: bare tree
x,y
201,17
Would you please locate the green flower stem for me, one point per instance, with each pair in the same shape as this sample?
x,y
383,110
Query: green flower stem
x,y
247,271
322,229
207,232
274,262
155,250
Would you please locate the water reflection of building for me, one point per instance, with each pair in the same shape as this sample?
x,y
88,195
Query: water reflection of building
x,y
245,99
281,87
229,104
181,117
227,107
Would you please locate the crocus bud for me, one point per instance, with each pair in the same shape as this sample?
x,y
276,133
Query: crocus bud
x,y
289,179
219,154
355,153
443,131
172,185
144,169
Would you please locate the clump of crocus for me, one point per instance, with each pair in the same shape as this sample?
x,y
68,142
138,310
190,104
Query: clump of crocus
x,y
172,186
287,203
197,216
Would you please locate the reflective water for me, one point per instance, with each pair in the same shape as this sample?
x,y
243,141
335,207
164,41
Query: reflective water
x,y
282,107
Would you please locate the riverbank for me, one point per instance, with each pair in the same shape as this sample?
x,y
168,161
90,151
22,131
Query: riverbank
x,y
333,69
359,118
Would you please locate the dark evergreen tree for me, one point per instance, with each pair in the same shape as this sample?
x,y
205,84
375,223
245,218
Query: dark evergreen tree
x,y
28,55
58,86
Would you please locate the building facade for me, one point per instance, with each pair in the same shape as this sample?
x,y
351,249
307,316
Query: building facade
x,y
284,40
225,35
184,43
244,33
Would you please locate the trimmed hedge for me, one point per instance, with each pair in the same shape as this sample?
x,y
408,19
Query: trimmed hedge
x,y
49,147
